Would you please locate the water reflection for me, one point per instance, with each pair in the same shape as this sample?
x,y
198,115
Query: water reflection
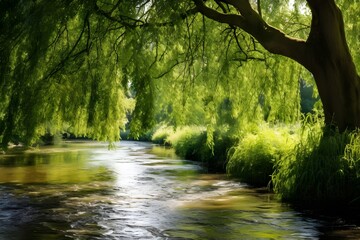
x,y
84,191
59,167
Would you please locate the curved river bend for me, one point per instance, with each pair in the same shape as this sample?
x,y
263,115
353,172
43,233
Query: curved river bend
x,y
81,190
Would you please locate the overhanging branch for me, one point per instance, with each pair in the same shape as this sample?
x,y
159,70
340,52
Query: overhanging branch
x,y
133,23
249,20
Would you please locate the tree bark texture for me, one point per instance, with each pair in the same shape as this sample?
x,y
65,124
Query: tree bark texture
x,y
333,67
325,54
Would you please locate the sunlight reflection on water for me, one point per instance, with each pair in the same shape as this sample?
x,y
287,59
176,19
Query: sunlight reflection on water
x,y
137,191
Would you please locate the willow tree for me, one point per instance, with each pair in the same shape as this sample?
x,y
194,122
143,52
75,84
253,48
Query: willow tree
x,y
57,73
74,65
325,52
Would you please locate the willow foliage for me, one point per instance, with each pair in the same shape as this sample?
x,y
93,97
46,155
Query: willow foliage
x,y
80,66
59,73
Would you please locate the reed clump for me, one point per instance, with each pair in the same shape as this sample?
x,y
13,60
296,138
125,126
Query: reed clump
x,y
323,170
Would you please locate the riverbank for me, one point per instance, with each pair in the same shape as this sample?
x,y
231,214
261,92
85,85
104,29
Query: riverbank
x,y
302,165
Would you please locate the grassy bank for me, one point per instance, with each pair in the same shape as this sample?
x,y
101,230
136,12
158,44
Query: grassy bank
x,y
322,171
253,159
301,164
193,143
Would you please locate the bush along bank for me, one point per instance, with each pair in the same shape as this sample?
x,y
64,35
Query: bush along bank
x,y
250,159
303,166
145,137
253,159
323,171
191,143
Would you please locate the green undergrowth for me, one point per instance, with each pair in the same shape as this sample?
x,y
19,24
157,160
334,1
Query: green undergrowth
x,y
161,134
192,143
126,135
253,159
322,171
305,165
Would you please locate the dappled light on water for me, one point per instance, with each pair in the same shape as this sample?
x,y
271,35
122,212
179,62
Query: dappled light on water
x,y
137,191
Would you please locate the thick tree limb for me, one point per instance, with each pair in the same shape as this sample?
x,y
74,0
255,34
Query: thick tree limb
x,y
273,40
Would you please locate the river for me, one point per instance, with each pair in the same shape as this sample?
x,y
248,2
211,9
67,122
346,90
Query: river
x,y
82,190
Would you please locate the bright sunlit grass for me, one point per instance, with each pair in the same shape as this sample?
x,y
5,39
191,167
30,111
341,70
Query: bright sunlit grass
x,y
253,159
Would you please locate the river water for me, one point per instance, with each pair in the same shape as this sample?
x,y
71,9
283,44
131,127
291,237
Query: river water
x,y
82,190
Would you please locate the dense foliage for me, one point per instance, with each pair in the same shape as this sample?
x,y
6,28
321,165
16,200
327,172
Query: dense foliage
x,y
88,67
254,158
76,66
322,170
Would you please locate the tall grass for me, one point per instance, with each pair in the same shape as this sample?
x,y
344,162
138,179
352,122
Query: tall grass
x,y
253,159
323,170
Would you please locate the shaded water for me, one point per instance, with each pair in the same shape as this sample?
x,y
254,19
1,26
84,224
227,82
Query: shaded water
x,y
138,191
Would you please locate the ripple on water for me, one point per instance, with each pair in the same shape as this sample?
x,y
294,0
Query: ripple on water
x,y
129,193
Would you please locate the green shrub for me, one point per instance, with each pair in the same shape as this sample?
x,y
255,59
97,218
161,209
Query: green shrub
x,y
322,171
222,144
126,135
161,134
192,143
253,159
186,141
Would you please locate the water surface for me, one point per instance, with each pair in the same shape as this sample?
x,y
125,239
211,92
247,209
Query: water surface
x,y
81,190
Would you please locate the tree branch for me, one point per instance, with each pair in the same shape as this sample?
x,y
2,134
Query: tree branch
x,y
62,63
259,7
231,19
133,23
272,39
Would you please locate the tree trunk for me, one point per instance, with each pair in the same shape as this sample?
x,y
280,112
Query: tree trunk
x,y
338,87
333,68
325,54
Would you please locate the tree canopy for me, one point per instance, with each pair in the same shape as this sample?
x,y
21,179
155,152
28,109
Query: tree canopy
x,y
82,66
